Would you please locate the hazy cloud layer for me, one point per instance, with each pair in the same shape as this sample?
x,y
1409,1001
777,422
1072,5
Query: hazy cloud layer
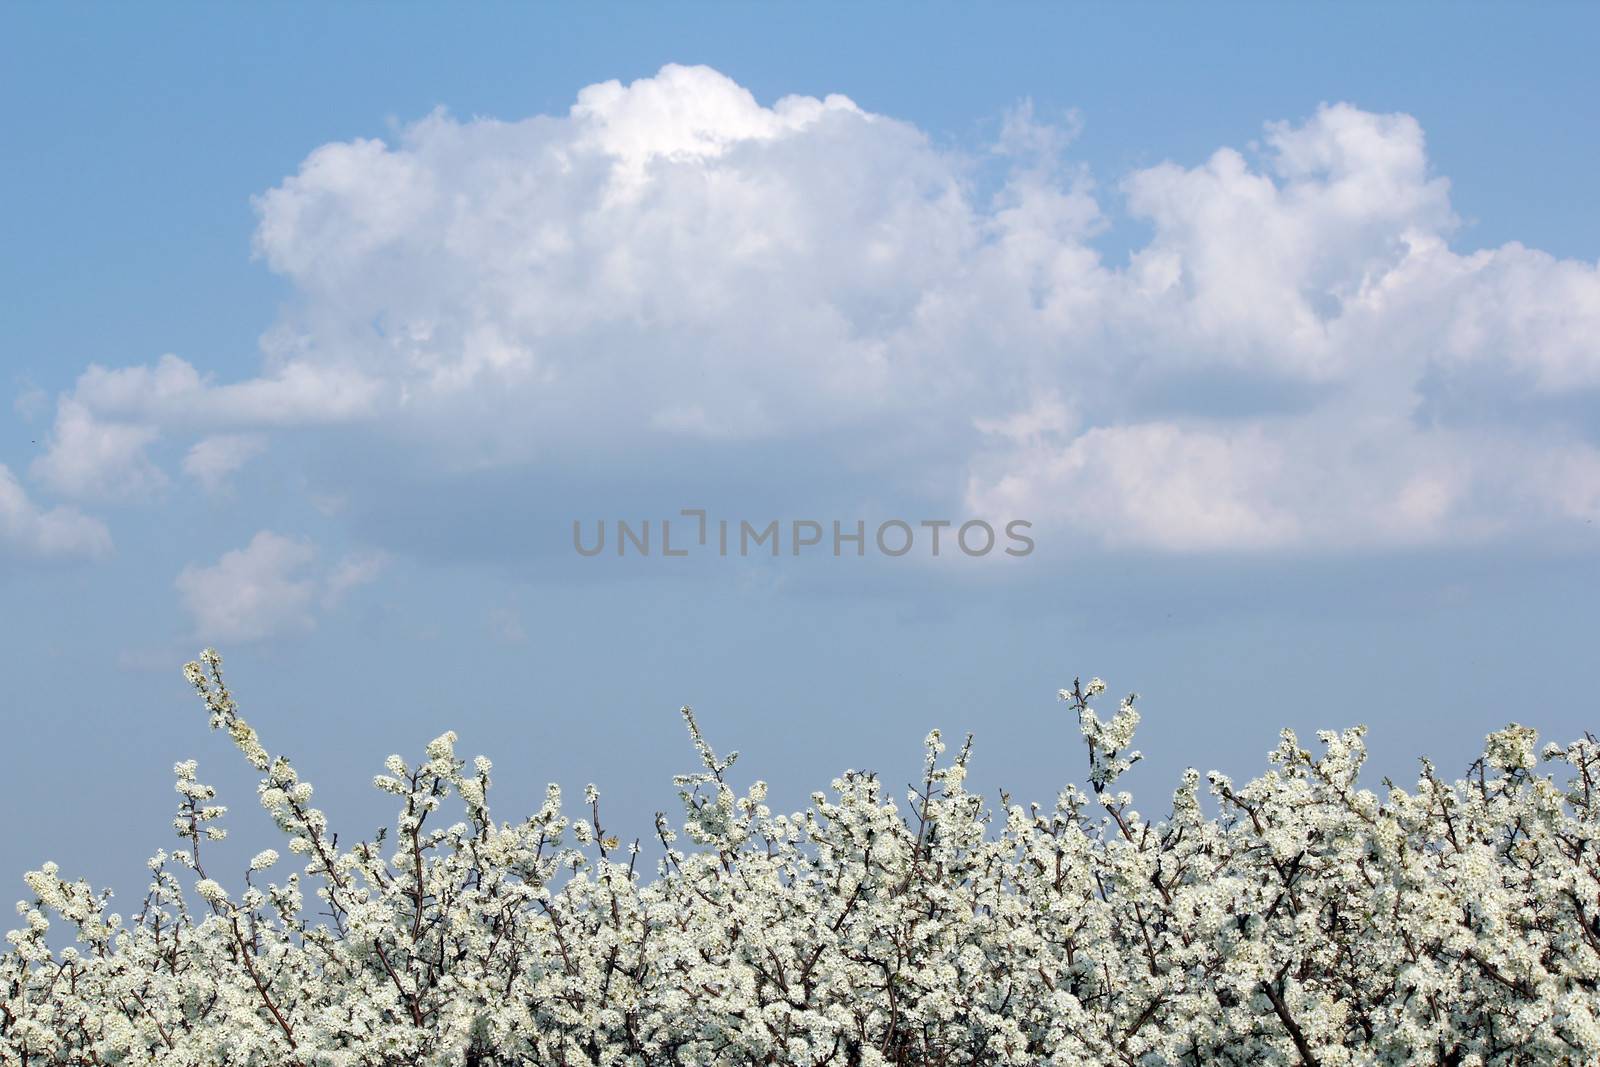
x,y
1295,360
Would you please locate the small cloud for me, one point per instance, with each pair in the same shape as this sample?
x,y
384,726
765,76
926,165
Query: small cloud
x,y
105,424
213,459
352,571
329,504
506,627
1023,134
269,587
29,530
252,592
174,392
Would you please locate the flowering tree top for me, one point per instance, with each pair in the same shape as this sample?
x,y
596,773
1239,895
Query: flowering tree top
x,y
1311,921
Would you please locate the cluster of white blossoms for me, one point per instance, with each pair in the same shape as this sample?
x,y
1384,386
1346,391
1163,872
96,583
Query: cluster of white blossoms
x,y
1309,922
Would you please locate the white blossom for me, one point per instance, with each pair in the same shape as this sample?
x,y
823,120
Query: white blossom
x,y
1308,921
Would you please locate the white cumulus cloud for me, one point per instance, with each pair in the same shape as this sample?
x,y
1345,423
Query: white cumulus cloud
x,y
1297,359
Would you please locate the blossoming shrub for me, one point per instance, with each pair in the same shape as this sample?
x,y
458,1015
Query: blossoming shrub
x,y
1310,922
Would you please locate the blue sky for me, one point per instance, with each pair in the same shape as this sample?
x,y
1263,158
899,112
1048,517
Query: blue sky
x,y
1278,325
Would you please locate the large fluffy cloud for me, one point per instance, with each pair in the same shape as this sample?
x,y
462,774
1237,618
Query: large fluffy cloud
x,y
1295,359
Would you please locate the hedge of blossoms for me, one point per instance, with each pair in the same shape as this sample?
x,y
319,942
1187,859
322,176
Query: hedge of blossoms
x,y
1310,922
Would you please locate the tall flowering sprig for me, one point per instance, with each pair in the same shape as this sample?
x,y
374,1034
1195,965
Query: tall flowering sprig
x,y
1109,756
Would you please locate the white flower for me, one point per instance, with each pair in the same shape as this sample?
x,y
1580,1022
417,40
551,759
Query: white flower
x,y
443,746
211,892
